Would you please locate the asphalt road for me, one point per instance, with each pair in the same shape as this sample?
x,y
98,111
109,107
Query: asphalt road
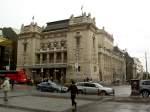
x,y
115,107
31,103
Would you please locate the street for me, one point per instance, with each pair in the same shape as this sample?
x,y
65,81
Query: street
x,y
27,99
115,107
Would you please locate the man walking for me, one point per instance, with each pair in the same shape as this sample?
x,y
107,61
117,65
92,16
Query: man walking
x,y
74,90
6,88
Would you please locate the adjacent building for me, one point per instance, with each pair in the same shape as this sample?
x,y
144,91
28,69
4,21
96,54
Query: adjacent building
x,y
73,48
8,48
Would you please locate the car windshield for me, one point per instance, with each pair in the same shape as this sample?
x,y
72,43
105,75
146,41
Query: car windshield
x,y
98,85
56,84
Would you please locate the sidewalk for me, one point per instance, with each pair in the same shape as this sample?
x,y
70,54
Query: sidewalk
x,y
50,102
134,99
41,104
29,100
67,95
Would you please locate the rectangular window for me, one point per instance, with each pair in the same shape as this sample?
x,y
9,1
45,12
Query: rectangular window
x,y
25,47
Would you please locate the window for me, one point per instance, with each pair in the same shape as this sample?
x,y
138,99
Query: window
x,y
78,39
38,57
42,46
49,45
86,85
79,68
91,85
146,83
80,84
25,46
62,43
44,57
95,68
55,44
93,41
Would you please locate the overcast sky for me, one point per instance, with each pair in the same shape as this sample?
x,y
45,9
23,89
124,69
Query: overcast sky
x,y
127,20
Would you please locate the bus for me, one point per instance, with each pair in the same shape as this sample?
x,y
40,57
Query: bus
x,y
16,76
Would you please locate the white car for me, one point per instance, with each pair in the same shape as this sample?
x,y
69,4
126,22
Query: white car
x,y
94,88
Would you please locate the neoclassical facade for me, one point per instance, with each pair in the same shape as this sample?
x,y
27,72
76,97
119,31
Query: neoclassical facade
x,y
74,48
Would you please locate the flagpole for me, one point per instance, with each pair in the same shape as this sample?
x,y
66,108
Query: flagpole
x,y
146,65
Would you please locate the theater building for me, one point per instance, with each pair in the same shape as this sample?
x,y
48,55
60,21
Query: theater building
x,y
73,48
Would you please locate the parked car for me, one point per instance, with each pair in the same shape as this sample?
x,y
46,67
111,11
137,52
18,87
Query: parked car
x,y
94,88
51,87
144,86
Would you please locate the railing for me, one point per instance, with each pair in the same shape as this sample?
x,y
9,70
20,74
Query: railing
x,y
51,49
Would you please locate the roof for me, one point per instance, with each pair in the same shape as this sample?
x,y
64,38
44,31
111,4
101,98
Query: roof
x,y
57,25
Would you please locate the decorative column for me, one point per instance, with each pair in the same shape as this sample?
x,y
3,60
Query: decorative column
x,y
41,58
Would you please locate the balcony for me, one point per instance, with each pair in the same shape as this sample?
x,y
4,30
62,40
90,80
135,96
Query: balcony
x,y
44,64
51,50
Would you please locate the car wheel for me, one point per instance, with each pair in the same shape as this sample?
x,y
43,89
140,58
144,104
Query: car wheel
x,y
103,93
145,93
56,91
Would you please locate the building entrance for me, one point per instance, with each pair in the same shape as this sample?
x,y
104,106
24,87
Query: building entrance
x,y
53,74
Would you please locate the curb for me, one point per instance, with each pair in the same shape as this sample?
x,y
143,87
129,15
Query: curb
x,y
130,99
68,97
102,99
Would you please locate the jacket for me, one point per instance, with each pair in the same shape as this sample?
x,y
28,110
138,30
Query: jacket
x,y
74,90
6,85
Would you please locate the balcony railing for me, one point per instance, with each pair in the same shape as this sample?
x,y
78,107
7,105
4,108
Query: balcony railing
x,y
51,62
50,65
51,49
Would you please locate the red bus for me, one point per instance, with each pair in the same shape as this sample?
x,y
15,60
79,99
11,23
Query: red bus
x,y
16,76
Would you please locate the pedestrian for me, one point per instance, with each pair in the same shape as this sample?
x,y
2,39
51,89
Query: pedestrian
x,y
6,87
73,90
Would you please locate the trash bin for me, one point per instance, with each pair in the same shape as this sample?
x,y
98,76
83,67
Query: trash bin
x,y
135,89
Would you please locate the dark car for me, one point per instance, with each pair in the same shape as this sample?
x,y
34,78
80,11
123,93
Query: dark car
x,y
144,88
140,87
51,87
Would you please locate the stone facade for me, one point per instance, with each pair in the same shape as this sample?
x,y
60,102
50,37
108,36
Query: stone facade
x,y
70,49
